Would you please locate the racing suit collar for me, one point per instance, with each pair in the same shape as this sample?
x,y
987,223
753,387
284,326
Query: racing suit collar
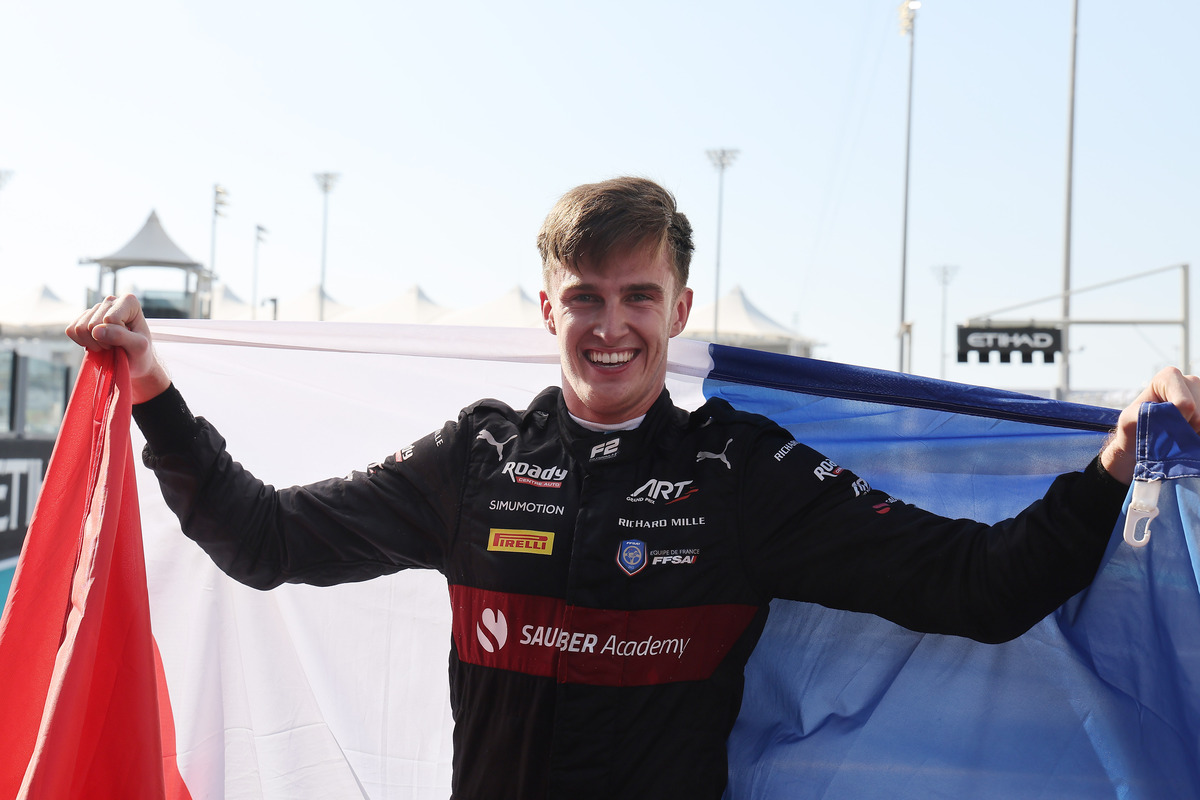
x,y
659,430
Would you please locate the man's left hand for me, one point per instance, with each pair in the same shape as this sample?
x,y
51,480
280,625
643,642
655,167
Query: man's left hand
x,y
1168,386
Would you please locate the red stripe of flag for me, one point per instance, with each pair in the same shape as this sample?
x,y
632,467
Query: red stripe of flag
x,y
78,663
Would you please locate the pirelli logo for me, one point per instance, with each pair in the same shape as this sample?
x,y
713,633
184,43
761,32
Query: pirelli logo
x,y
507,540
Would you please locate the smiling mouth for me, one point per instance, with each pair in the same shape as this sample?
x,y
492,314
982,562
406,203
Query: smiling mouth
x,y
611,359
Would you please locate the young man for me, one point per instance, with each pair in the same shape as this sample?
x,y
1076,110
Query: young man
x,y
604,607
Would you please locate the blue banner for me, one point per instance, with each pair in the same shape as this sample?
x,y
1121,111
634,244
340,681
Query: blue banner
x,y
1099,700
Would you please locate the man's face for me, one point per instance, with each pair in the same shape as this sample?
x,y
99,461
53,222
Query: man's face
x,y
613,321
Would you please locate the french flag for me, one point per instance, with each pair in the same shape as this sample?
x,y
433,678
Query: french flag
x,y
131,667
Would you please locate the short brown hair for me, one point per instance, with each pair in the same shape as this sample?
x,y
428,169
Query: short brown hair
x,y
593,219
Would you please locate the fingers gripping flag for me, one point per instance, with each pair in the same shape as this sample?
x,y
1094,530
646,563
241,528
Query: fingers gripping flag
x,y
78,668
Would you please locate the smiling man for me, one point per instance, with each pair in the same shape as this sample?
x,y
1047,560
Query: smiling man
x,y
615,262
611,558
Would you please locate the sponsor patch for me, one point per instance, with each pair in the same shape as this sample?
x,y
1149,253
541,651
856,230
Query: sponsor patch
x,y
827,469
704,454
492,630
509,540
526,507
606,450
533,475
783,451
682,555
490,439
631,556
654,490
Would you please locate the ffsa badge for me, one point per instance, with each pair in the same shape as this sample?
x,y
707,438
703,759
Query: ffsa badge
x,y
631,556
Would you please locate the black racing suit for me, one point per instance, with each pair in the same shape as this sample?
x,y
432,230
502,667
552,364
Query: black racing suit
x,y
607,588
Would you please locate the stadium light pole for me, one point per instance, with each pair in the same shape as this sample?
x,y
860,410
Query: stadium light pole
x,y
220,200
259,232
325,180
908,26
720,158
944,274
1064,364
5,177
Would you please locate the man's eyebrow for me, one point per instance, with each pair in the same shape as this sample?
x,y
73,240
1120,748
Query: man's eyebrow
x,y
643,287
629,287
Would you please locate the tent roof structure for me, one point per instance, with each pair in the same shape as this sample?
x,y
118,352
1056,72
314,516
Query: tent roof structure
x,y
513,309
41,313
227,305
411,307
742,324
150,247
306,307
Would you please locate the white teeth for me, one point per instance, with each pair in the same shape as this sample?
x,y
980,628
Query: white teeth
x,y
610,358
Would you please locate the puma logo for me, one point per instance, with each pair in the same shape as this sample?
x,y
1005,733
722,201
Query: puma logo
x,y
487,437
703,454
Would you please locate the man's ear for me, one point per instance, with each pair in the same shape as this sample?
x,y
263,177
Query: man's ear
x,y
681,311
547,313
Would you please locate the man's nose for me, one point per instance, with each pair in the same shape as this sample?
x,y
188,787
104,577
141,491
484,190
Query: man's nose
x,y
611,322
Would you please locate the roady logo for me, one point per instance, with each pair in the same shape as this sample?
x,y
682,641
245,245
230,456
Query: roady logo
x,y
533,475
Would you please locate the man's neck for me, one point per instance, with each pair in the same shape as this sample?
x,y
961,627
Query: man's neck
x,y
627,425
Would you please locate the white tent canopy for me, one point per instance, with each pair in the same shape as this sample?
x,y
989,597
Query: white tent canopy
x,y
306,307
227,305
41,313
412,307
150,247
740,323
513,309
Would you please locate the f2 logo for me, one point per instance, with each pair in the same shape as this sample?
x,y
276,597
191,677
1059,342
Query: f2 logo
x,y
606,450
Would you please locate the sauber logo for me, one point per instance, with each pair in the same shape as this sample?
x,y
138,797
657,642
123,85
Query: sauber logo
x,y
507,540
487,437
827,469
654,489
533,475
492,630
703,454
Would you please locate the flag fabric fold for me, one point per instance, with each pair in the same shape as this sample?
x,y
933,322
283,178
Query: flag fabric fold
x,y
77,660
342,692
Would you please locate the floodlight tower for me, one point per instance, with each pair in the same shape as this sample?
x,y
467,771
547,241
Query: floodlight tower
x,y
908,26
259,233
5,176
944,274
720,158
220,200
325,181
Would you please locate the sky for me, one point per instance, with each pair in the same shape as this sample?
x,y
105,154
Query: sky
x,y
455,126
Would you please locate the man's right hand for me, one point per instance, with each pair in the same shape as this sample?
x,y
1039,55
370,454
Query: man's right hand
x,y
119,322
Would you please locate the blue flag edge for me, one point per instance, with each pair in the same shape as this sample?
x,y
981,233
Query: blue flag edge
x,y
847,705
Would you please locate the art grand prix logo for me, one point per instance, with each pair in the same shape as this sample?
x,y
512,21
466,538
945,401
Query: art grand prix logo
x,y
492,630
668,491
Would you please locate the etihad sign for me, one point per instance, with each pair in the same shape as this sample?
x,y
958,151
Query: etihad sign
x,y
507,540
